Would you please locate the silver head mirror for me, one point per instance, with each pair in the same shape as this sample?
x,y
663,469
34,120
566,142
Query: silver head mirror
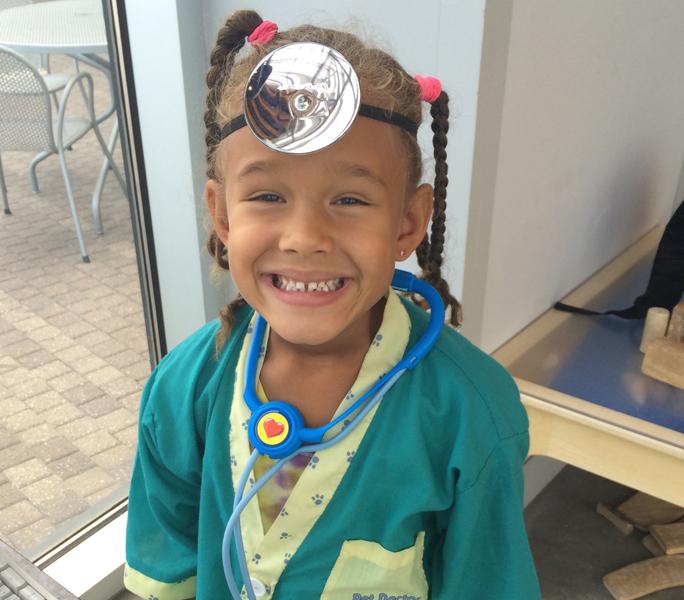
x,y
301,97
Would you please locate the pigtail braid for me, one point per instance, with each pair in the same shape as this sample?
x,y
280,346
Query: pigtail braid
x,y
227,318
430,253
423,252
230,39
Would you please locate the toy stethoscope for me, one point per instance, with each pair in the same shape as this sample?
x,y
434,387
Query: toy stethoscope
x,y
301,98
291,436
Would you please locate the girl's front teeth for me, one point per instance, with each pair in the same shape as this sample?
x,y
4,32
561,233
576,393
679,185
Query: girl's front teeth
x,y
290,285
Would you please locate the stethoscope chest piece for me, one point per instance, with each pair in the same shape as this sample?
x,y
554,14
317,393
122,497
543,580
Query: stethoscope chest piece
x,y
274,429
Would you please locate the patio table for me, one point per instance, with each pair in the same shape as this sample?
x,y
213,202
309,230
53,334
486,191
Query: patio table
x,y
62,26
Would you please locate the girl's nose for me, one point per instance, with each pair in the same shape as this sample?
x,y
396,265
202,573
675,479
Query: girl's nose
x,y
306,232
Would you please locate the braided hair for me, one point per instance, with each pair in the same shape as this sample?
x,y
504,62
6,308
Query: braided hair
x,y
383,83
231,38
430,251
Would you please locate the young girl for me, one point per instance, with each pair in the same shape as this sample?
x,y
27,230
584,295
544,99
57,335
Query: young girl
x,y
422,496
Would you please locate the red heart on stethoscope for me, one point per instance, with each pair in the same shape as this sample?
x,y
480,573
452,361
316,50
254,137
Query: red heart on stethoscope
x,y
272,428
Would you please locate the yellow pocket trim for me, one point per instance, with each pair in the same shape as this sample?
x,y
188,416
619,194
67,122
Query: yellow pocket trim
x,y
365,568
146,587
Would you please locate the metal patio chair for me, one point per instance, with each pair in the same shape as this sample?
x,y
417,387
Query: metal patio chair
x,y
28,123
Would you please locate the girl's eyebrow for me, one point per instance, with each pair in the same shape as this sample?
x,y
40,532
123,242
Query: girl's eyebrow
x,y
342,167
259,166
357,170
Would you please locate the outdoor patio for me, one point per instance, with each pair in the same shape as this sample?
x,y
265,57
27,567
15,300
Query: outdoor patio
x,y
73,348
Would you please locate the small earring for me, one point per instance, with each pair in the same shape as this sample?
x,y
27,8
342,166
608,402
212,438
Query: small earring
x,y
401,253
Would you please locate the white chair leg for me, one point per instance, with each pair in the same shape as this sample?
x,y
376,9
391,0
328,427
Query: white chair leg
x,y
72,206
3,190
32,170
97,194
108,155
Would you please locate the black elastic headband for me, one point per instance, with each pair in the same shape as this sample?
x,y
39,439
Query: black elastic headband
x,y
365,110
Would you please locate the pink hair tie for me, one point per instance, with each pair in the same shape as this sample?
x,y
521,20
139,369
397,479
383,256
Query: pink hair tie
x,y
263,34
430,88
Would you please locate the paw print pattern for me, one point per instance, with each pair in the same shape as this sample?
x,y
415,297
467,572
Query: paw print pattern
x,y
345,424
284,535
350,455
377,340
245,424
314,461
349,396
250,329
251,481
262,351
317,499
287,557
151,597
284,513
256,558
233,460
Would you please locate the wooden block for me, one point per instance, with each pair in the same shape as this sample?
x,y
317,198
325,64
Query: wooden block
x,y
652,546
664,360
675,330
623,526
655,326
669,537
644,510
646,577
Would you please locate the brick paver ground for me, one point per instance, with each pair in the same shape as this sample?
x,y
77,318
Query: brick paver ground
x,y
73,350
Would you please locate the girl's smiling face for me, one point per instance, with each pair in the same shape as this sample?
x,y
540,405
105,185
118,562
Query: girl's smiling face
x,y
340,215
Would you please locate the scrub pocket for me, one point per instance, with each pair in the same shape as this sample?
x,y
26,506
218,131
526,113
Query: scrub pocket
x,y
367,571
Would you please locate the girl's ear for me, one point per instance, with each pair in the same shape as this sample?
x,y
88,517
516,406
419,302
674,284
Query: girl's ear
x,y
215,199
415,220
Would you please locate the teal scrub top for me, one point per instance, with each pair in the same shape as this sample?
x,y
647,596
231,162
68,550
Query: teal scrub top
x,y
428,504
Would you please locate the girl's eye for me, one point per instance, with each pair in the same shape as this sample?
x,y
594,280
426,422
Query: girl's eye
x,y
267,198
350,201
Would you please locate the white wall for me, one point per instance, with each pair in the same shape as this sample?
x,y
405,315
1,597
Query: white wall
x,y
160,91
580,143
169,61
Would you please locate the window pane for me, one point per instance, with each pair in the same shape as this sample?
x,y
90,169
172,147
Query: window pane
x,y
73,345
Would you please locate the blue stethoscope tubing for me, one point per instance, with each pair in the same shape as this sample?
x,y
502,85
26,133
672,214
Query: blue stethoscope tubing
x,y
311,438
